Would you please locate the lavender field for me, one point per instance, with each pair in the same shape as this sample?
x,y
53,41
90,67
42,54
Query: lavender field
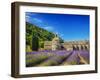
x,y
58,57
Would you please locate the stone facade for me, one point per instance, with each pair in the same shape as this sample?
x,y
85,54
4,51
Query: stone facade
x,y
68,45
56,43
76,45
48,45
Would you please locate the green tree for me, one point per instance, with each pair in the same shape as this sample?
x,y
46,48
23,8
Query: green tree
x,y
35,43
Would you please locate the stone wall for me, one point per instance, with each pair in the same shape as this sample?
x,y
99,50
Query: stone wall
x,y
69,45
76,45
48,45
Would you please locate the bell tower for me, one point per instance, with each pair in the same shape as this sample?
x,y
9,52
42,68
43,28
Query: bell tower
x,y
55,43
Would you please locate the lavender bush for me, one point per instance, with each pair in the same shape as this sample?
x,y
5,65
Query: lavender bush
x,y
58,57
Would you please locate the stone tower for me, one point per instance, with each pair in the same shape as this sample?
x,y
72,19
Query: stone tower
x,y
55,43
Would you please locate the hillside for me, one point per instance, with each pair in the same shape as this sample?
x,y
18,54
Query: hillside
x,y
35,36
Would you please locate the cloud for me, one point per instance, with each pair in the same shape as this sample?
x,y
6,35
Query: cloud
x,y
50,28
31,14
61,35
57,33
27,17
37,20
32,17
34,20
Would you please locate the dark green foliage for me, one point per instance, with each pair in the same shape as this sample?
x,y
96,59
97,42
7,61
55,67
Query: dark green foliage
x,y
35,43
36,36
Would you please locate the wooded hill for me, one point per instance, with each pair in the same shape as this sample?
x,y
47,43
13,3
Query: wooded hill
x,y
35,37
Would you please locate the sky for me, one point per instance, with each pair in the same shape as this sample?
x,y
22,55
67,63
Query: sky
x,y
68,26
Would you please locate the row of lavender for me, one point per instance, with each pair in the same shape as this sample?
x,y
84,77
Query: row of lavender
x,y
53,58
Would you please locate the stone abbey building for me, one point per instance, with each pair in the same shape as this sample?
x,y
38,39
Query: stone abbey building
x,y
68,45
